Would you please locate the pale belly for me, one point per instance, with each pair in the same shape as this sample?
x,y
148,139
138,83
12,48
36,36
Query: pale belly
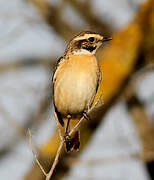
x,y
74,90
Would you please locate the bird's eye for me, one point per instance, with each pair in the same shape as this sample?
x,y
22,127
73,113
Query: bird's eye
x,y
91,39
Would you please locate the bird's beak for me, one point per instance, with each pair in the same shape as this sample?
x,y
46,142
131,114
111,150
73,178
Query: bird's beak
x,y
105,38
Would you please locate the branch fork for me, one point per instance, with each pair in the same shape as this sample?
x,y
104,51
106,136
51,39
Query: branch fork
x,y
62,141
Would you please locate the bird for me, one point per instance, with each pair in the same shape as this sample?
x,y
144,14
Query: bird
x,y
75,82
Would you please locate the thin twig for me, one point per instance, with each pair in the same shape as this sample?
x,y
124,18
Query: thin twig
x,y
58,151
97,102
49,174
34,154
55,161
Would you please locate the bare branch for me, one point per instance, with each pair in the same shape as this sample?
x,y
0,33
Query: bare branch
x,y
44,61
34,154
58,151
53,17
62,141
89,16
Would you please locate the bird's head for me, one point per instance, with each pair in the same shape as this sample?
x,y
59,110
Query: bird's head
x,y
86,43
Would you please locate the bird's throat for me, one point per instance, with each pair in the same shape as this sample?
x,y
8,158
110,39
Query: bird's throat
x,y
90,48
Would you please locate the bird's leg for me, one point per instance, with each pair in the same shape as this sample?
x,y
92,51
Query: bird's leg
x,y
68,140
68,121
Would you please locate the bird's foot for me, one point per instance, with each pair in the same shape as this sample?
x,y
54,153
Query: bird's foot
x,y
86,116
69,142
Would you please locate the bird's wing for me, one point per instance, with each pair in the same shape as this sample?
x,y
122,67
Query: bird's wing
x,y
53,81
54,71
99,79
100,76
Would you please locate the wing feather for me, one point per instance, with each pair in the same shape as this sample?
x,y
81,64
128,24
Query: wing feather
x,y
60,119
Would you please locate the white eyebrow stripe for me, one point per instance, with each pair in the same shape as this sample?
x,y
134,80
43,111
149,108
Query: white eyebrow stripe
x,y
86,36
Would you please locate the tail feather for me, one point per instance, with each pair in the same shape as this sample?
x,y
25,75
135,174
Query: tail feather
x,y
76,140
60,119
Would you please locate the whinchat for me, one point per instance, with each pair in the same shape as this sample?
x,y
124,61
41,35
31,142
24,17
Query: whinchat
x,y
76,80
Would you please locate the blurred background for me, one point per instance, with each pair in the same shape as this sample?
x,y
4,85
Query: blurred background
x,y
118,143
